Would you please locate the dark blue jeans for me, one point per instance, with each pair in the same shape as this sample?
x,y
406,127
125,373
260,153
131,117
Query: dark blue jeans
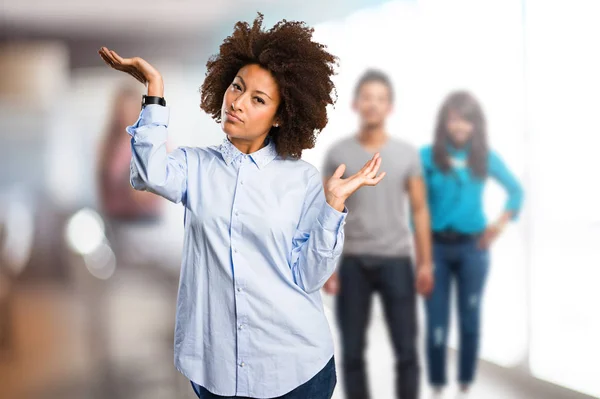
x,y
467,265
361,277
321,386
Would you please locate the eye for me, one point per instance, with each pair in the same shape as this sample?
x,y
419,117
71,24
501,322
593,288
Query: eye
x,y
236,86
260,100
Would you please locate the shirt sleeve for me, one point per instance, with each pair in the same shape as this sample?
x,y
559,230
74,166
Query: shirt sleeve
x,y
319,239
152,168
421,162
415,167
504,176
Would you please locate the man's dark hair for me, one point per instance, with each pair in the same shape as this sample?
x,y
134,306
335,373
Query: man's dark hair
x,y
374,75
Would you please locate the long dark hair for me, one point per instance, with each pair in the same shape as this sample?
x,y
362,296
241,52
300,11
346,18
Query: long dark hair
x,y
467,107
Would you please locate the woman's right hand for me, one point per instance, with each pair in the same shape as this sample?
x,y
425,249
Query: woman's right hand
x,y
136,67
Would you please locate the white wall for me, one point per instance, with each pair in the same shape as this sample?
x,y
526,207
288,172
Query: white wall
x,y
563,78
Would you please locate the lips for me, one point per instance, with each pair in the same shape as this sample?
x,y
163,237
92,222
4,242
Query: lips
x,y
233,117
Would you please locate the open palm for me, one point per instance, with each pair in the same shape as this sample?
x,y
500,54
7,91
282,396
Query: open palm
x,y
338,189
135,66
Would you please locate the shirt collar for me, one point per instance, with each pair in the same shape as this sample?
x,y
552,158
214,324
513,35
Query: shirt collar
x,y
261,157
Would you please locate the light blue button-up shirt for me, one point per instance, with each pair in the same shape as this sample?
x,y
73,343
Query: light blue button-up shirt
x,y
260,241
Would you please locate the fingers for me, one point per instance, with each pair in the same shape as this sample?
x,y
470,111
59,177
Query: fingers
x,y
374,168
369,165
107,60
376,180
115,61
370,170
339,172
110,59
111,56
121,60
425,286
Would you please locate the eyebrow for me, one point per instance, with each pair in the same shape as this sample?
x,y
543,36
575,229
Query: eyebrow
x,y
258,91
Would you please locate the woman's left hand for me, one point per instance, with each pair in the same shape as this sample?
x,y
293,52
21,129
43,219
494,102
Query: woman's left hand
x,y
490,235
337,190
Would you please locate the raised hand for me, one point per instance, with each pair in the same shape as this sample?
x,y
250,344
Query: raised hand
x,y
337,190
136,67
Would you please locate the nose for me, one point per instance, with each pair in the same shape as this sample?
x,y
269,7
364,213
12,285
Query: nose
x,y
232,105
238,103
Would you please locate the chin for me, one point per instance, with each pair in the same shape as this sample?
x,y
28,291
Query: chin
x,y
234,133
230,129
374,123
460,140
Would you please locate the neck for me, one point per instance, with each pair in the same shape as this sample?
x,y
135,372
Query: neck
x,y
372,135
248,146
459,146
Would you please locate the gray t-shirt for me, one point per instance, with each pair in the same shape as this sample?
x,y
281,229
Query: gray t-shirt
x,y
378,217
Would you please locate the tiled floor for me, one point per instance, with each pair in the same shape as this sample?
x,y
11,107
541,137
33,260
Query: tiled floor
x,y
64,349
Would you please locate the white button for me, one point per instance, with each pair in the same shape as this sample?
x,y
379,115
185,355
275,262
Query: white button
x,y
242,182
242,364
237,213
241,327
235,250
239,289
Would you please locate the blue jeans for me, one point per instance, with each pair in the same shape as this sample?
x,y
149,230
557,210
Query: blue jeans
x,y
468,265
321,386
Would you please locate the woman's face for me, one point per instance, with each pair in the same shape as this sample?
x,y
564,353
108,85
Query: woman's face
x,y
250,104
459,129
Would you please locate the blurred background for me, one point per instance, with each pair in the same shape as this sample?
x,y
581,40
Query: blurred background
x,y
89,268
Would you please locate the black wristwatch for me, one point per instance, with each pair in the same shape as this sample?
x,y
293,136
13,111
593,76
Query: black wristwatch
x,y
146,100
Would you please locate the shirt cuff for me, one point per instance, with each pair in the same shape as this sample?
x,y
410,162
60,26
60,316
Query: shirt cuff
x,y
152,114
332,219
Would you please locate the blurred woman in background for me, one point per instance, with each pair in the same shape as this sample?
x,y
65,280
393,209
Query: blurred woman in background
x,y
117,199
136,221
457,166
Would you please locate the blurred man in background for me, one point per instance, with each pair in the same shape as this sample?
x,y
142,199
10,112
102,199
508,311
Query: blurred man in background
x,y
377,252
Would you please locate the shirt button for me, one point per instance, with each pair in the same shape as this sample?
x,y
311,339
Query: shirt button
x,y
242,364
235,250
242,182
237,213
239,289
241,327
